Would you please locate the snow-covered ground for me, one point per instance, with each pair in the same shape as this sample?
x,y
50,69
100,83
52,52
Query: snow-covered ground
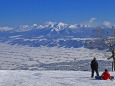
x,y
51,78
36,58
44,66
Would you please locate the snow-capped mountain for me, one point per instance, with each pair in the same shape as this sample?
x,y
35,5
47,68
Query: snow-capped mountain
x,y
5,29
53,25
52,34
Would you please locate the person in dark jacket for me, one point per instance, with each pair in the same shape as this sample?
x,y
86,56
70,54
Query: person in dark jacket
x,y
94,67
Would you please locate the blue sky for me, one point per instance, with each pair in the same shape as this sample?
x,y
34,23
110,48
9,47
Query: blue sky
x,y
21,12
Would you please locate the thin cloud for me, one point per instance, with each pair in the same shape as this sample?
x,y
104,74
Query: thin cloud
x,y
92,20
106,23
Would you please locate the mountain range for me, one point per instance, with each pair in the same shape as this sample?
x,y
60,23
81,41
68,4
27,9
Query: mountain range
x,y
52,34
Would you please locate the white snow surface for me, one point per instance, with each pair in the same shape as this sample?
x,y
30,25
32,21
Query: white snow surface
x,y
50,78
13,56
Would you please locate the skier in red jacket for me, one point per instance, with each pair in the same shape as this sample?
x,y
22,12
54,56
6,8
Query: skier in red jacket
x,y
105,75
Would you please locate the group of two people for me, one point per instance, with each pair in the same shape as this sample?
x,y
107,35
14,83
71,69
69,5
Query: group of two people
x,y
94,68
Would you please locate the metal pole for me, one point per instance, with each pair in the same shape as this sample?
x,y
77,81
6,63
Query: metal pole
x,y
114,64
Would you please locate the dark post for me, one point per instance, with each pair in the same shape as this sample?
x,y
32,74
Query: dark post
x,y
113,60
